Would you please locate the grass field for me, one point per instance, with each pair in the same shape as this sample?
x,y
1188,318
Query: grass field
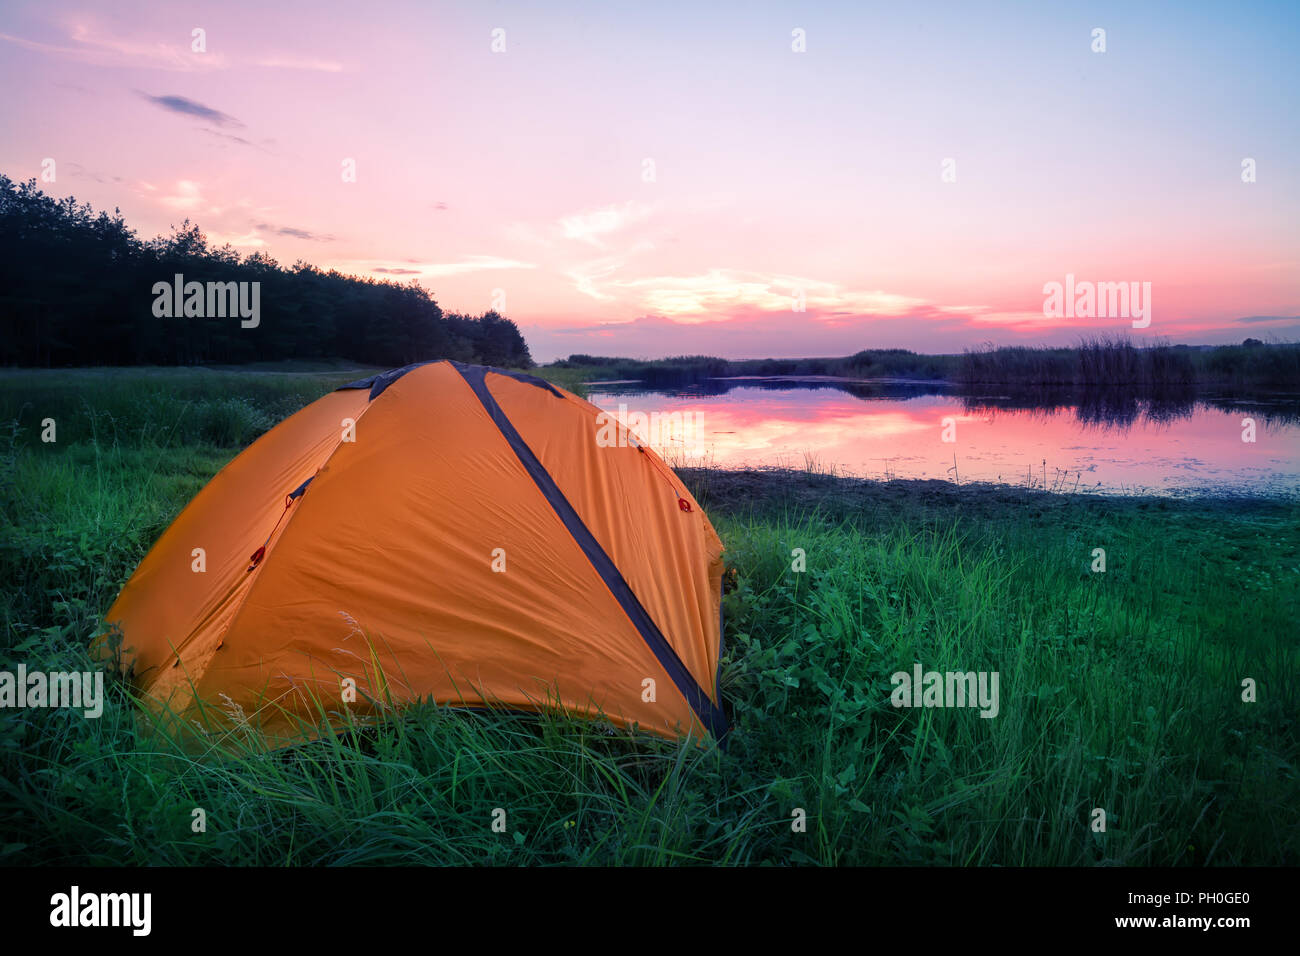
x,y
1120,690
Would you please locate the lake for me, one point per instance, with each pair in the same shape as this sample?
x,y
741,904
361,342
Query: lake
x,y
1101,441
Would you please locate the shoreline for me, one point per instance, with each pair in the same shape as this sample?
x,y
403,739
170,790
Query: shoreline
x,y
1240,393
727,489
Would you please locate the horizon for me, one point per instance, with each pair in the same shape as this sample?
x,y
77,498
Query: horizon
x,y
645,183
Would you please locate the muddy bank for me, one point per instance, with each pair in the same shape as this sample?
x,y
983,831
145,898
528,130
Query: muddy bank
x,y
770,490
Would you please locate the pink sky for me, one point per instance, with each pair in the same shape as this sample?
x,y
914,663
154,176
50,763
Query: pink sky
x,y
519,174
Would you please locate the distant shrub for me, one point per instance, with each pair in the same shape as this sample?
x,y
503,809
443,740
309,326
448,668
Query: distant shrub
x,y
1118,361
230,422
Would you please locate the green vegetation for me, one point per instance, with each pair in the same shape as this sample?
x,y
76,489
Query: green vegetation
x,y
1119,690
1113,362
78,288
1118,362
873,363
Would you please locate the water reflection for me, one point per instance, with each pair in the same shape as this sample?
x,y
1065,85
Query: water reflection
x,y
1086,439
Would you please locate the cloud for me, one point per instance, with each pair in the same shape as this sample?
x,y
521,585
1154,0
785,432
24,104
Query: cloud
x,y
95,46
397,272
473,264
293,232
591,226
188,195
92,44
239,240
747,335
81,172
188,107
290,62
527,232
239,140
587,275
719,293
1252,319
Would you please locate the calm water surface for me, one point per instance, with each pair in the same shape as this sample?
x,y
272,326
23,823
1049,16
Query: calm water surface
x,y
1100,443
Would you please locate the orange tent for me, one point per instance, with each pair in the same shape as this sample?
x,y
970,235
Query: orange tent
x,y
441,531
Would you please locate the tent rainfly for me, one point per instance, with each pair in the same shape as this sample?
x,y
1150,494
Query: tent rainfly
x,y
441,531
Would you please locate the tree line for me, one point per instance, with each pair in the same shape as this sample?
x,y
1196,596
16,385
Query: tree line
x,y
81,288
1096,360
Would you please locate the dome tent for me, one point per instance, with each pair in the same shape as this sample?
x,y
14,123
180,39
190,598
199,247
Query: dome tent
x,y
442,531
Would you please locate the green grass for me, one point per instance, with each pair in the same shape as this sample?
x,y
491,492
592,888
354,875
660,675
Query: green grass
x,y
1118,690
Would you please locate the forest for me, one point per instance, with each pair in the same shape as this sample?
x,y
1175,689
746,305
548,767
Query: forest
x,y
77,288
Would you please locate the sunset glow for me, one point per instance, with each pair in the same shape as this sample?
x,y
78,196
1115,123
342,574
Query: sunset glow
x,y
663,179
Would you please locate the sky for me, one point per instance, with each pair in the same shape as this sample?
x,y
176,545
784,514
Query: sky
x,y
745,180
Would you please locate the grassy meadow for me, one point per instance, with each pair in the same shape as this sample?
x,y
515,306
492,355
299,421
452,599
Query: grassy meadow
x,y
1120,690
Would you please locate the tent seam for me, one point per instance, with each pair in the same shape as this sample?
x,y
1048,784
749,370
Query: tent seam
x,y
266,559
705,709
